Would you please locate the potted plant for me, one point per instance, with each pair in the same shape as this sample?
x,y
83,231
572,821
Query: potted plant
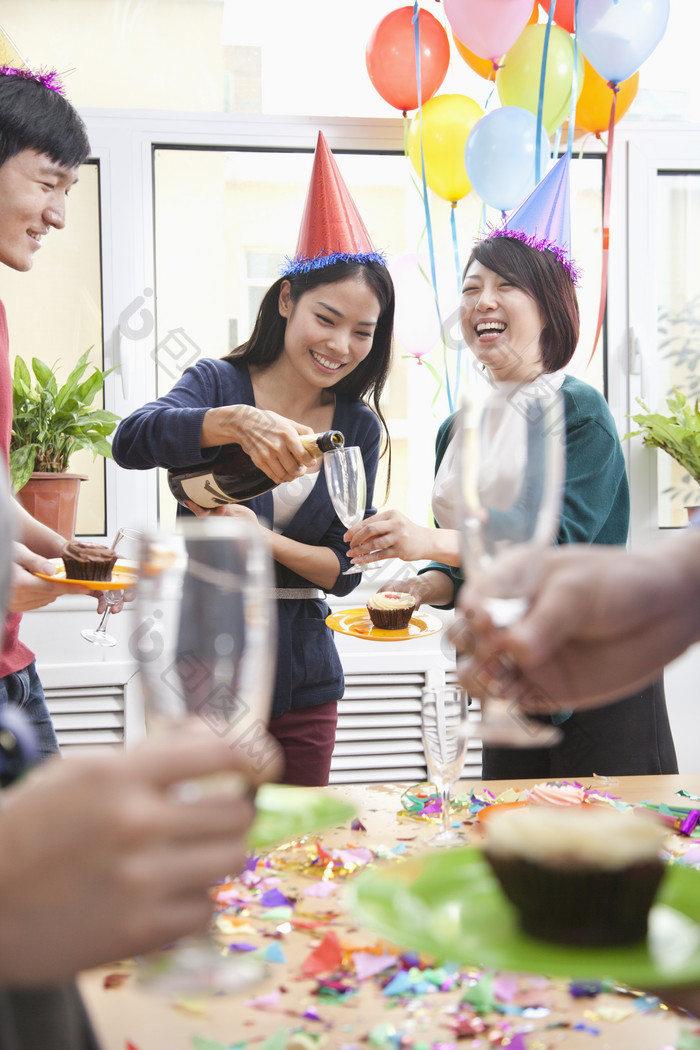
x,y
50,423
677,433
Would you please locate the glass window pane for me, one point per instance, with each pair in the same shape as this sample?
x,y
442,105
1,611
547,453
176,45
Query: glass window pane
x,y
678,305
54,312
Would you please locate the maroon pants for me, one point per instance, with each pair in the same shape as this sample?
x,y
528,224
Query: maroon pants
x,y
307,738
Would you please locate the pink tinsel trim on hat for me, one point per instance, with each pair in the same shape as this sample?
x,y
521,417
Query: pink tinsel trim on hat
x,y
541,244
48,78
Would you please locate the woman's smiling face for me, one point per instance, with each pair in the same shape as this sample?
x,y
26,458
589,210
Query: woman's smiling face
x,y
330,329
501,324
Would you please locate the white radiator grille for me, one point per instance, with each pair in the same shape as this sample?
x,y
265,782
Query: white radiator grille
x,y
379,737
87,716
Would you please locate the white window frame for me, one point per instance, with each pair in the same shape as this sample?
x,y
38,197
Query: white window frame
x,y
123,143
640,152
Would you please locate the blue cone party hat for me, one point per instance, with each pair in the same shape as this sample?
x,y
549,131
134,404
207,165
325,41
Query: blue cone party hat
x,y
543,220
331,228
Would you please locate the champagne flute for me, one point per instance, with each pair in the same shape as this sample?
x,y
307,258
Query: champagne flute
x,y
347,487
205,647
99,635
443,723
511,456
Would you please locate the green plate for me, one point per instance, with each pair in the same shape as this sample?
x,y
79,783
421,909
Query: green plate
x,y
447,904
286,812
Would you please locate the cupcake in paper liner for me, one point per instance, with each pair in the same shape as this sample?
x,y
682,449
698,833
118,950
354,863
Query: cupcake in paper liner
x,y
88,561
391,610
581,876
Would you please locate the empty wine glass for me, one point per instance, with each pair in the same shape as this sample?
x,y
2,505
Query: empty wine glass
x,y
511,457
99,635
205,645
347,487
445,743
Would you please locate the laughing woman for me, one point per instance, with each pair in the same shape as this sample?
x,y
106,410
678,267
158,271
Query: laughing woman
x,y
519,317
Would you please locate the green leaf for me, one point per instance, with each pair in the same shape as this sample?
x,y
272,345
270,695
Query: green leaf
x,y
21,466
49,423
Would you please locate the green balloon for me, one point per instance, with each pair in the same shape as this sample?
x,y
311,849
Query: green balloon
x,y
518,79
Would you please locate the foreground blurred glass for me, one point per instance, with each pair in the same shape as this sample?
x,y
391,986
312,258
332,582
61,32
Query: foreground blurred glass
x,y
443,725
512,461
206,649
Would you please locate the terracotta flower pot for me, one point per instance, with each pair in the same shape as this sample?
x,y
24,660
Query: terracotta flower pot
x,y
53,500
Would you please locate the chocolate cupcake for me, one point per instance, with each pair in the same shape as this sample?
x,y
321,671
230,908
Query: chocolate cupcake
x,y
585,875
391,610
88,561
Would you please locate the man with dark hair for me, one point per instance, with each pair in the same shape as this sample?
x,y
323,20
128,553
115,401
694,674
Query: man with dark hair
x,y
43,142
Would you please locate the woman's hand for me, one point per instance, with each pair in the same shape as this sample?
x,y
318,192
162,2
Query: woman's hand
x,y
271,440
389,534
230,510
430,588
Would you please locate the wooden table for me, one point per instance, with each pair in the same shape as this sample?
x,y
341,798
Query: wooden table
x,y
128,1015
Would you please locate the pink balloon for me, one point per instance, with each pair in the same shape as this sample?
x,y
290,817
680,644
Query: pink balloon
x,y
416,325
488,29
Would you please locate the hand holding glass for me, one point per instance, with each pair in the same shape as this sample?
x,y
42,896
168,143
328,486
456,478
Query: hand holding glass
x,y
443,725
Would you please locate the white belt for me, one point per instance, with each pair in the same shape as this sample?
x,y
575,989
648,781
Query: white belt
x,y
298,592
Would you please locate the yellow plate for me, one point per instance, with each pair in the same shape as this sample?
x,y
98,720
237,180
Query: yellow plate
x,y
356,622
123,577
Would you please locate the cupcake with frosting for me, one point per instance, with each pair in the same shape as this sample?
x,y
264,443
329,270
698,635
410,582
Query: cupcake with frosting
x,y
88,561
391,610
584,875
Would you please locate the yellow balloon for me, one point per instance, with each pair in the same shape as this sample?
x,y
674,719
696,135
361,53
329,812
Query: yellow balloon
x,y
443,126
518,79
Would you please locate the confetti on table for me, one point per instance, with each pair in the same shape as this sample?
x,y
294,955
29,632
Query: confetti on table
x,y
325,958
271,1001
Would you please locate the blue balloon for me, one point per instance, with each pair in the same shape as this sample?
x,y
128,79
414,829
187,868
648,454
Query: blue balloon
x,y
500,156
616,36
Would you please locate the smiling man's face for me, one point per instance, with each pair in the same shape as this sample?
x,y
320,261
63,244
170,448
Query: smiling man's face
x,y
33,191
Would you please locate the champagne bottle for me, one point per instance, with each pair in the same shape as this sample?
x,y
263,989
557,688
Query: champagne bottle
x,y
232,477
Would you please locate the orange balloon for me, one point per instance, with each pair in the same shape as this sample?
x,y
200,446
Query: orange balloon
x,y
484,66
595,100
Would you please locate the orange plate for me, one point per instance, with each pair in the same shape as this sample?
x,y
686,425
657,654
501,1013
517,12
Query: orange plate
x,y
486,812
123,577
356,622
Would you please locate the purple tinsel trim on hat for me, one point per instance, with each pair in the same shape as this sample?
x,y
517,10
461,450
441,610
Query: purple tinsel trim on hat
x,y
541,244
48,78
292,267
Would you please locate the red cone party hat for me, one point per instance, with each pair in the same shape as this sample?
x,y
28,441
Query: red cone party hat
x,y
331,228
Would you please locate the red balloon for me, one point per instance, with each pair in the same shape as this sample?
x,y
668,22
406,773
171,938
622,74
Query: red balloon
x,y
390,56
563,13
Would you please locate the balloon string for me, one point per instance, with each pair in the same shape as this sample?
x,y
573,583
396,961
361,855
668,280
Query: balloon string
x,y
606,221
426,205
458,268
574,87
540,100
